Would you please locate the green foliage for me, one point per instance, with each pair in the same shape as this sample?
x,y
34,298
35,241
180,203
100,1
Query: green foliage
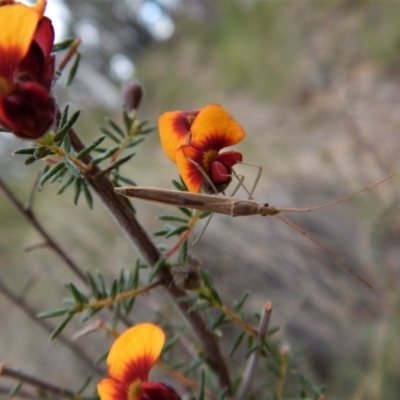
x,y
15,389
77,168
73,70
315,391
64,45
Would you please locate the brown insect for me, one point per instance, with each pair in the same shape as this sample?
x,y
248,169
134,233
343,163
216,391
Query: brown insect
x,y
236,208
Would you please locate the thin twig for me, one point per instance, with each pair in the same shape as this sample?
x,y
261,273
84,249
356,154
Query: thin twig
x,y
38,383
33,192
236,319
22,394
49,242
31,314
118,298
253,360
73,49
139,238
31,218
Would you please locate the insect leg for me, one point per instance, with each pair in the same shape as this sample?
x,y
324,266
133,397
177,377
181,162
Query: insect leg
x,y
324,248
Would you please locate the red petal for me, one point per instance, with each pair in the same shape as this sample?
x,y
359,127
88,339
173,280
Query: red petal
x,y
230,158
159,391
44,36
219,173
29,111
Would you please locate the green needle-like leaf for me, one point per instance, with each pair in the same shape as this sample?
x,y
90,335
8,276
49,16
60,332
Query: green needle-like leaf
x,y
179,186
64,117
66,127
183,252
105,155
93,286
30,160
186,211
79,297
65,44
108,133
156,268
88,195
14,390
55,313
84,385
240,303
51,172
78,188
73,70
201,394
73,168
236,343
25,150
116,127
68,182
176,231
89,148
175,218
61,327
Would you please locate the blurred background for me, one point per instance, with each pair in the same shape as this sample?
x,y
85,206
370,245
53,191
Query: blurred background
x,y
316,85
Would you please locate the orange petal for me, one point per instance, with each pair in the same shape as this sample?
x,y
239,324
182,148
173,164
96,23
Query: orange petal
x,y
110,389
174,128
134,352
215,129
190,164
40,6
18,24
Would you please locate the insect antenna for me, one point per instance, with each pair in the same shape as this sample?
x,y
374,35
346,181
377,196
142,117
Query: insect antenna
x,y
331,203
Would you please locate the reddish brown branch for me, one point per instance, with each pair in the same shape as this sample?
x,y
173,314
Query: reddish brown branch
x,y
49,242
31,218
142,242
30,380
32,315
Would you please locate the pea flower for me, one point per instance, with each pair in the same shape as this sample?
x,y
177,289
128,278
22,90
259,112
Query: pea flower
x,y
26,69
130,359
194,139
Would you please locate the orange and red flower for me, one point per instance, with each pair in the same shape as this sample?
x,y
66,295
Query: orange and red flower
x,y
129,362
26,69
194,139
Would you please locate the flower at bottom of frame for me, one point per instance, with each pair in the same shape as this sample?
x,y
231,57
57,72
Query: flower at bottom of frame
x,y
130,359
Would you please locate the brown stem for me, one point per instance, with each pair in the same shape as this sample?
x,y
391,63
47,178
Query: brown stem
x,y
22,394
30,380
31,313
251,367
120,297
71,52
49,242
31,218
142,242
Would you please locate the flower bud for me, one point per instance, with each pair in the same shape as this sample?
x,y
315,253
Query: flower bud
x,y
133,93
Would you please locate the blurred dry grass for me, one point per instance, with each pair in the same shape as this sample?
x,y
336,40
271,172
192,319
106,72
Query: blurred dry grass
x,y
316,86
